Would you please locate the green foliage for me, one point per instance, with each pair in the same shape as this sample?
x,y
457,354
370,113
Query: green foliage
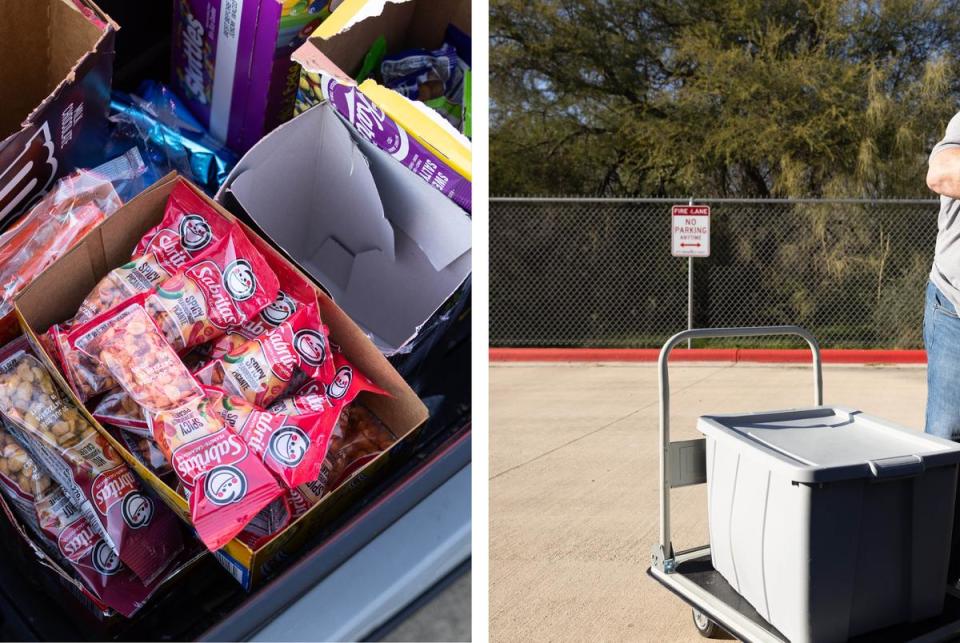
x,y
720,98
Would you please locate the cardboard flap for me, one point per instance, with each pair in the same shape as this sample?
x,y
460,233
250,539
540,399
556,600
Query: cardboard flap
x,y
428,217
389,248
315,175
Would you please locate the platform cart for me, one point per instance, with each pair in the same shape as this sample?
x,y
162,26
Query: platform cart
x,y
689,574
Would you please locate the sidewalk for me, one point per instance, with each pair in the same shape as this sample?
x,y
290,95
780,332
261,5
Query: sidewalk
x,y
574,483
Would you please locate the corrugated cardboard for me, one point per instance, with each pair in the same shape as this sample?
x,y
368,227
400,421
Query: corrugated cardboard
x,y
387,247
56,62
57,293
338,46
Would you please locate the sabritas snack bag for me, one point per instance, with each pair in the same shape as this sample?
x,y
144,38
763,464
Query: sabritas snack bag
x,y
189,230
57,435
224,289
261,369
293,447
294,294
189,226
228,485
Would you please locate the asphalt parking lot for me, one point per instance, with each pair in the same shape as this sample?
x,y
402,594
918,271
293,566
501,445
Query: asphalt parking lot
x,y
574,483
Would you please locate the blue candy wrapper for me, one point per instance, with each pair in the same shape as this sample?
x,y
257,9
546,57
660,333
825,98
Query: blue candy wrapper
x,y
168,137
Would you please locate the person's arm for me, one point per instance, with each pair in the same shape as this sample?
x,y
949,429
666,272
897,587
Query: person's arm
x,y
943,177
943,173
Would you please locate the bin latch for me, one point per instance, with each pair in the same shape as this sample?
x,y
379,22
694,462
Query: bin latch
x,y
903,466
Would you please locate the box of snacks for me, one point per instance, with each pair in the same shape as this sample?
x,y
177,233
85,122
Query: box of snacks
x,y
233,386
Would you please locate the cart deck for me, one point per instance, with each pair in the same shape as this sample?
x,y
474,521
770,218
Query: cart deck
x,y
703,588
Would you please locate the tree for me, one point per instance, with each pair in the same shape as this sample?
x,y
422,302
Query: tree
x,y
720,98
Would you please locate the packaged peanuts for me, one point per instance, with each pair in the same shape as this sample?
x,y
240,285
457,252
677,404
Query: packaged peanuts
x,y
75,204
280,514
293,447
20,479
261,369
226,288
74,538
295,293
127,342
226,483
44,421
145,450
358,438
118,409
189,226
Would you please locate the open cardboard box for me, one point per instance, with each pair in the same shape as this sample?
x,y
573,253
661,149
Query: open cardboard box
x,y
57,293
339,45
388,248
56,63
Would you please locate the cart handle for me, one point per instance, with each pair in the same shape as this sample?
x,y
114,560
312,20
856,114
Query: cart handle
x,y
666,549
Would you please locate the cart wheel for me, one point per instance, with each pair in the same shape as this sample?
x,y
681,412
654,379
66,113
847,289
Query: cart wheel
x,y
706,627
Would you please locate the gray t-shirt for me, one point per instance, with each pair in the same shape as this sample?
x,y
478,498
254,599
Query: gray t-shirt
x,y
946,259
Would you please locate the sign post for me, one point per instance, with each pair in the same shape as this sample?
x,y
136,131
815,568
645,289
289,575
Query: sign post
x,y
690,237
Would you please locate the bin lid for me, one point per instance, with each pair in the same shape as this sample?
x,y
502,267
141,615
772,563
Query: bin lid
x,y
828,444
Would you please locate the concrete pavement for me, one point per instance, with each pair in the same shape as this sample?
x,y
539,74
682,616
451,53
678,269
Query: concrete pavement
x,y
574,489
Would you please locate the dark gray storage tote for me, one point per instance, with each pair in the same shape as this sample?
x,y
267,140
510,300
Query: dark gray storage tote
x,y
829,522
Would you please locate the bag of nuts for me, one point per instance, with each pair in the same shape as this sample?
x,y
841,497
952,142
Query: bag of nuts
x,y
20,479
46,423
261,369
225,483
71,533
293,447
189,226
358,438
295,293
223,290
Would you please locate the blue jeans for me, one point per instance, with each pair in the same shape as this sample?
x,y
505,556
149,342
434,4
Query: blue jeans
x,y
941,337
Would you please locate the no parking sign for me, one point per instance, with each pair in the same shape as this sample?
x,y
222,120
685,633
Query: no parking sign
x,y
690,230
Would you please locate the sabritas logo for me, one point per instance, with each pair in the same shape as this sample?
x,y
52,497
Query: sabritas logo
x,y
195,233
111,487
310,346
220,307
219,448
280,310
30,174
289,445
168,250
341,383
277,350
225,485
77,539
105,560
191,38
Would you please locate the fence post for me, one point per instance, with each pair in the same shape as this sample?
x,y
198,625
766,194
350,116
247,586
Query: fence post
x,y
690,293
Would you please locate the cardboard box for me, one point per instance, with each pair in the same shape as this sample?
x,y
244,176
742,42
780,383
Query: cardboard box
x,y
231,62
57,293
56,63
388,248
338,48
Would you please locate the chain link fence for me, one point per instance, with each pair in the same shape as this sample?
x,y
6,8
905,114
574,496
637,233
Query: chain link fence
x,y
578,272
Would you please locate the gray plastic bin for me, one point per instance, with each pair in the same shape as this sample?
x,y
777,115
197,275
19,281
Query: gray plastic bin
x,y
831,523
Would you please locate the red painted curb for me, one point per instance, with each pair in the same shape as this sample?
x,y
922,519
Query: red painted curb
x,y
756,355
